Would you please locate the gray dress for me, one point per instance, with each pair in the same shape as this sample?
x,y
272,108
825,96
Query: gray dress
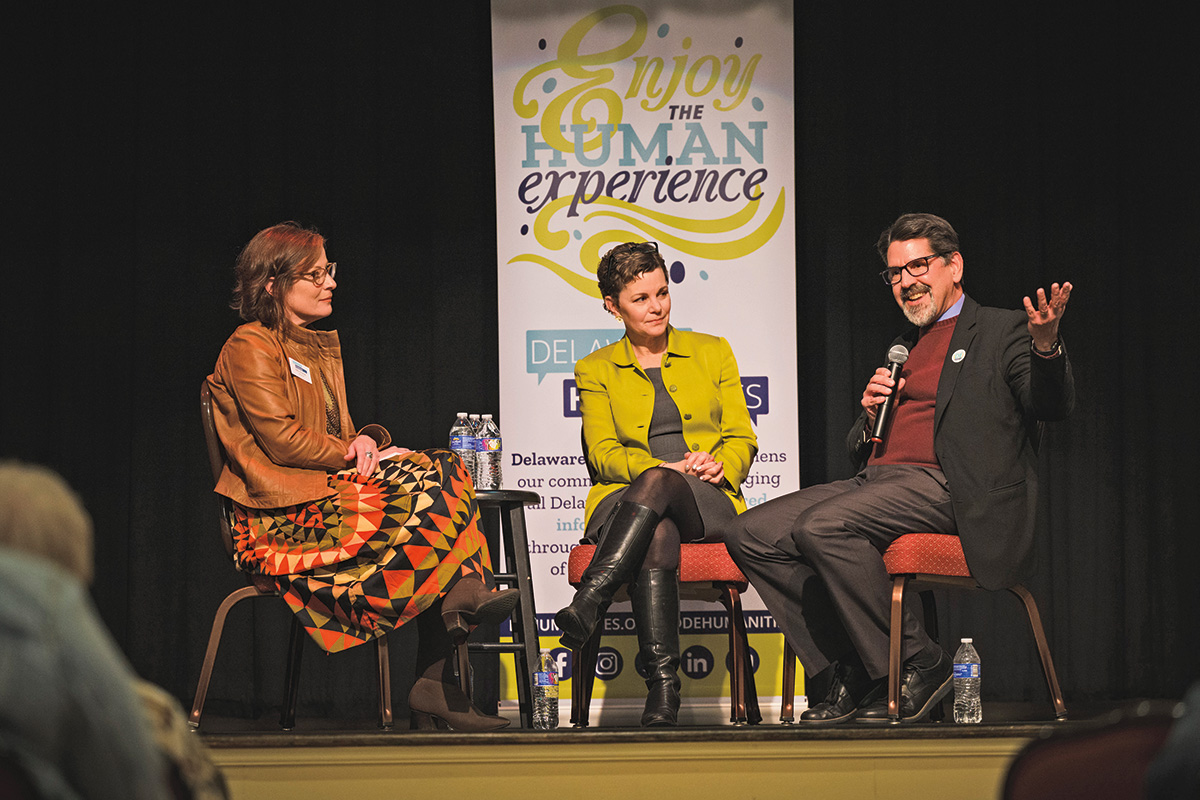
x,y
667,443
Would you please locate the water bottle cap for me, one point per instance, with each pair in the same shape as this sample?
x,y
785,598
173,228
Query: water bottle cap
x,y
487,416
967,641
461,413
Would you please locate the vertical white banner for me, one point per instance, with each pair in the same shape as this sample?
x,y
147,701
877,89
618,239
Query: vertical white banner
x,y
657,121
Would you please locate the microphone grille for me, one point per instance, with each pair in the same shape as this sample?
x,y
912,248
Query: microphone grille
x,y
898,354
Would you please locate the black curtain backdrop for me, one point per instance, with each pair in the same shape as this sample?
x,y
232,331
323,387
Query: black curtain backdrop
x,y
153,142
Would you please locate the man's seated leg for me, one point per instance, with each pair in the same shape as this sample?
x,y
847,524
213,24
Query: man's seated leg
x,y
843,537
760,542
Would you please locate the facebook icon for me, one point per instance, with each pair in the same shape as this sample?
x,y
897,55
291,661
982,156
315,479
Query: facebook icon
x,y
562,662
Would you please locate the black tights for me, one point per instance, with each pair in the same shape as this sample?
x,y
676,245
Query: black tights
x,y
668,494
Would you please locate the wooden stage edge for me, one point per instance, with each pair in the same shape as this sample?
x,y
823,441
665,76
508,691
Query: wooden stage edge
x,y
856,760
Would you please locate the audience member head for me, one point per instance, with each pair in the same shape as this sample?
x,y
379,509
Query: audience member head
x,y
267,269
625,263
42,516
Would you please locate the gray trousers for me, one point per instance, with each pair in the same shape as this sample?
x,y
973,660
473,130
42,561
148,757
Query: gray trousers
x,y
815,558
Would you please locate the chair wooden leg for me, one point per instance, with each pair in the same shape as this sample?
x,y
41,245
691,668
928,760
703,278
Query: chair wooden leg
x,y
291,680
383,674
743,693
210,652
895,640
1039,636
737,694
787,706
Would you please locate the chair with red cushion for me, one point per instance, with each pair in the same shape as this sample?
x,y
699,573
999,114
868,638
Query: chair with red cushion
x,y
924,561
706,572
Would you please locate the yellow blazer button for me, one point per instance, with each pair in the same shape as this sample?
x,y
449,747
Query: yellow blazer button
x,y
695,447
687,416
673,387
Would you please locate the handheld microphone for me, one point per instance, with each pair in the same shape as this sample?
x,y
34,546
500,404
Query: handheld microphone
x,y
896,358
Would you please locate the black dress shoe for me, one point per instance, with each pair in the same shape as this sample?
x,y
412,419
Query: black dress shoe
x,y
850,685
920,691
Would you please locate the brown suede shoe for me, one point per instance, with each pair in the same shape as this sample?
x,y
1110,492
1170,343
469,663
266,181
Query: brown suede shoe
x,y
470,603
434,705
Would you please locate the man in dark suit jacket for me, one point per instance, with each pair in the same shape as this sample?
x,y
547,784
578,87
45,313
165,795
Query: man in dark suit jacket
x,y
958,456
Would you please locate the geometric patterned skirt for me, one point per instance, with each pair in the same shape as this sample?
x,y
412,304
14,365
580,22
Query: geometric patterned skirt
x,y
373,555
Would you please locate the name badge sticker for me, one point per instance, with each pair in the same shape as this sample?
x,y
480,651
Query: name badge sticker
x,y
300,371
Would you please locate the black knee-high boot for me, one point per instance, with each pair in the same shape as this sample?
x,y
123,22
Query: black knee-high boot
x,y
655,598
616,561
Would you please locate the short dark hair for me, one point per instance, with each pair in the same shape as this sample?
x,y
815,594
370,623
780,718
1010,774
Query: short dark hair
x,y
624,263
283,252
940,234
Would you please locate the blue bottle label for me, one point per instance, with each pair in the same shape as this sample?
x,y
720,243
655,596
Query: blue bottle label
x,y
486,444
966,670
462,442
545,679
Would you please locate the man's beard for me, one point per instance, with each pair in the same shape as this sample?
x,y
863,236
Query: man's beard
x,y
921,315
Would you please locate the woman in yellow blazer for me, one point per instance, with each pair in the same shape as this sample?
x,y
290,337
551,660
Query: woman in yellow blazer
x,y
668,442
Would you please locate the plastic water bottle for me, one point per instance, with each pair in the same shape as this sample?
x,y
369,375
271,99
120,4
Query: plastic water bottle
x,y
462,442
475,423
967,707
545,693
489,453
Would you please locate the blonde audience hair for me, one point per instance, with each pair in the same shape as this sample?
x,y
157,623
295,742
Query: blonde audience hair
x,y
41,515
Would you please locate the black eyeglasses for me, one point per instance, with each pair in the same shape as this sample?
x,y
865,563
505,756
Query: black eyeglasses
x,y
319,275
917,267
635,247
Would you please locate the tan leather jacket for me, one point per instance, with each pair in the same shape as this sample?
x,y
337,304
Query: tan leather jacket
x,y
269,406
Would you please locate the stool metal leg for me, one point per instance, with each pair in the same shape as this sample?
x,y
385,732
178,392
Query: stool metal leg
x,y
516,546
513,570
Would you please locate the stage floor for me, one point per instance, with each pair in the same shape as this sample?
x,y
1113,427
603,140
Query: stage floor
x,y
335,759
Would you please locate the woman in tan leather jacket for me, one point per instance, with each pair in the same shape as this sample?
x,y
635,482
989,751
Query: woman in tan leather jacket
x,y
360,537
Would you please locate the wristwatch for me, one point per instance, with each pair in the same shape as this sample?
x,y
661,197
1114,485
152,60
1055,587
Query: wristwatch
x,y
1054,352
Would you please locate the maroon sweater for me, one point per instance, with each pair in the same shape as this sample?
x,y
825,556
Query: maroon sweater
x,y
909,438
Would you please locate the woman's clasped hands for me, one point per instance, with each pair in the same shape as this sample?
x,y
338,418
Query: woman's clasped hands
x,y
702,465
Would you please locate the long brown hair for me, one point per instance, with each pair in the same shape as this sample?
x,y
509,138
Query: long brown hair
x,y
281,252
